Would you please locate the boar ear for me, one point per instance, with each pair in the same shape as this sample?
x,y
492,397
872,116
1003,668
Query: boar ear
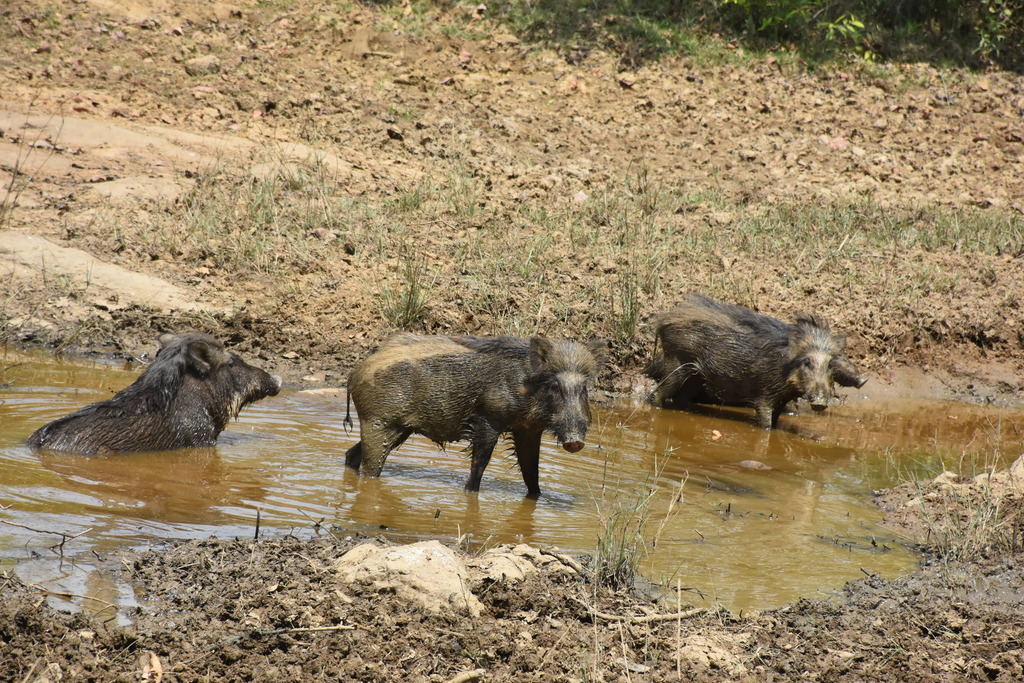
x,y
599,349
798,341
166,339
204,357
540,351
840,342
811,320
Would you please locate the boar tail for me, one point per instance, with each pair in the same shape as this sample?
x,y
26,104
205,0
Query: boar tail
x,y
348,411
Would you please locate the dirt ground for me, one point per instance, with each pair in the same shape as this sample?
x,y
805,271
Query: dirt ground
x,y
112,112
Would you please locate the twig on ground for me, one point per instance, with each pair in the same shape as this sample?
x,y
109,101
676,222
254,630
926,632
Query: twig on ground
x,y
647,619
465,677
564,559
308,629
65,594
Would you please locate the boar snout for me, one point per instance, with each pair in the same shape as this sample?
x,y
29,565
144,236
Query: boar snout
x,y
276,380
572,432
818,401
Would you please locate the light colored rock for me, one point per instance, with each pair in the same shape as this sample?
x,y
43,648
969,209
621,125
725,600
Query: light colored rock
x,y
426,573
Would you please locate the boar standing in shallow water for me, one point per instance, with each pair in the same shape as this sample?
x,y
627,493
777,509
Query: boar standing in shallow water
x,y
720,353
183,400
476,388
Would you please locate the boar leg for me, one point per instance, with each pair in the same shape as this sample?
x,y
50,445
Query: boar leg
x,y
688,391
673,376
527,445
375,445
680,387
483,441
354,456
767,415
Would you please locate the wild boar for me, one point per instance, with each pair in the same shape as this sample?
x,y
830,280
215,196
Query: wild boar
x,y
476,388
721,353
184,399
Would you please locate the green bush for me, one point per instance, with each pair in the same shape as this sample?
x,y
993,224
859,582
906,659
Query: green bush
x,y
975,32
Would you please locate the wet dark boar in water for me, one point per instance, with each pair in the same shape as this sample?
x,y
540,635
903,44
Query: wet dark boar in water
x,y
476,388
183,400
720,353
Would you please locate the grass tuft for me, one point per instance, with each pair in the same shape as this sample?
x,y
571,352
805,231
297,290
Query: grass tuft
x,y
403,304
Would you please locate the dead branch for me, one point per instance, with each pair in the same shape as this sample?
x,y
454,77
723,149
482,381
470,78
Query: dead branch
x,y
465,677
647,619
65,594
308,629
564,559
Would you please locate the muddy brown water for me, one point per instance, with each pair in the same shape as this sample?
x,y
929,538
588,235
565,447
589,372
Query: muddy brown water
x,y
735,515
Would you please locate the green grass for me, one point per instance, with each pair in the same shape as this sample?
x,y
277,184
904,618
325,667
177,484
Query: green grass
x,y
629,531
627,249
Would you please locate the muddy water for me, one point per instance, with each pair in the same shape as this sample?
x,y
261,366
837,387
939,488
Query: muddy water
x,y
734,515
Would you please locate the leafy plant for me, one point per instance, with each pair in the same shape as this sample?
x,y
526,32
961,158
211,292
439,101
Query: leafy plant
x,y
998,26
777,17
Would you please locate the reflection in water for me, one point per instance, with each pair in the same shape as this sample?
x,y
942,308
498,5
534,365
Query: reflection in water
x,y
183,486
743,516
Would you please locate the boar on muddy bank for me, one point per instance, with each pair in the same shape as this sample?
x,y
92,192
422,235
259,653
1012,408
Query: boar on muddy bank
x,y
184,399
475,388
721,353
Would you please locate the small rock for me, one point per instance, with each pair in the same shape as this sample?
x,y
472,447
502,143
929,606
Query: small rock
x,y
202,66
754,465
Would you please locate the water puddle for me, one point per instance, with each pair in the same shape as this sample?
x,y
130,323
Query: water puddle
x,y
735,515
